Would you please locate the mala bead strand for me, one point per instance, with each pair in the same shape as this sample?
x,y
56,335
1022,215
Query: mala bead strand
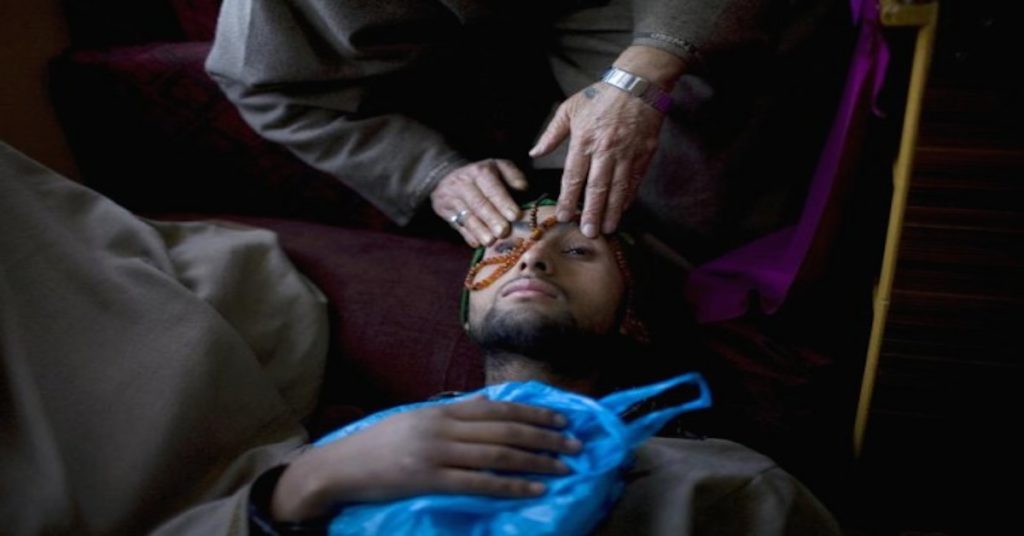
x,y
504,263
507,261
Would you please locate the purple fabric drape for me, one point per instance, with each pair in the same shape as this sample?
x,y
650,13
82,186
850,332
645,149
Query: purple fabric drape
x,y
721,289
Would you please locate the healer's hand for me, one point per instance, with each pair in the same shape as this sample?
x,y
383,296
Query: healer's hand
x,y
612,138
474,200
439,449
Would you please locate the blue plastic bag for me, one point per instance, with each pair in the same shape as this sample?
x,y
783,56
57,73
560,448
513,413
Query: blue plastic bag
x,y
573,504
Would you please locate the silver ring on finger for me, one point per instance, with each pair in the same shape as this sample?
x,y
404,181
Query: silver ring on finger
x,y
459,218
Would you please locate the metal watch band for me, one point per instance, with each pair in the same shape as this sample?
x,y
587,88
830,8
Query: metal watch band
x,y
638,87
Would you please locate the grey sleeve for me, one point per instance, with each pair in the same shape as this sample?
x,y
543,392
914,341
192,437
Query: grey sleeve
x,y
699,30
300,73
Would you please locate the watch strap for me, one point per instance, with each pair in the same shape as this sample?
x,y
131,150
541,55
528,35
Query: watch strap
x,y
261,523
638,87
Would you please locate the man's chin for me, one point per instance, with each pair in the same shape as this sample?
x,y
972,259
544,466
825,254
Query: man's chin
x,y
528,329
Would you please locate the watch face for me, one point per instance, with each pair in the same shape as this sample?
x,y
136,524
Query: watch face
x,y
626,81
638,87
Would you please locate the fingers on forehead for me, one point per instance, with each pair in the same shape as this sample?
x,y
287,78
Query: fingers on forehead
x,y
577,165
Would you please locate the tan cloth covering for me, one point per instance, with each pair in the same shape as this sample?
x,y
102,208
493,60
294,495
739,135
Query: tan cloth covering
x,y
148,376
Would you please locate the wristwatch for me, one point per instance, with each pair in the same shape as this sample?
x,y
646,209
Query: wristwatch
x,y
638,87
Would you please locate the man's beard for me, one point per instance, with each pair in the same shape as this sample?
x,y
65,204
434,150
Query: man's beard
x,y
554,339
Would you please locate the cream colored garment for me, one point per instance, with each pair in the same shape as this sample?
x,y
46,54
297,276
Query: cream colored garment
x,y
148,371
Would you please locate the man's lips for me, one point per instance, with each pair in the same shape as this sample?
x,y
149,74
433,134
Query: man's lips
x,y
530,285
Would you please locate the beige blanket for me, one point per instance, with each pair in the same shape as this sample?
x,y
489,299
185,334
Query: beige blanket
x,y
148,371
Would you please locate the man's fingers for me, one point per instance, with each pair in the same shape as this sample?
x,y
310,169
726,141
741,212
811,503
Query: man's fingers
x,y
501,458
494,190
473,482
523,436
482,409
479,190
473,231
448,207
577,165
622,185
558,130
513,176
480,207
470,239
596,196
477,229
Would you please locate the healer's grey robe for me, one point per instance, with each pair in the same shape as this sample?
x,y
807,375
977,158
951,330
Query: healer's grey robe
x,y
391,96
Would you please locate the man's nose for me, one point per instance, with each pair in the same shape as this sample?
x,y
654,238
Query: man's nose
x,y
536,259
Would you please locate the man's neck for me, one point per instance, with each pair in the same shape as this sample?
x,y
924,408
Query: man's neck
x,y
508,367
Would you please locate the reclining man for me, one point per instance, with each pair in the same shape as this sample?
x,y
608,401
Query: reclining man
x,y
544,304
145,388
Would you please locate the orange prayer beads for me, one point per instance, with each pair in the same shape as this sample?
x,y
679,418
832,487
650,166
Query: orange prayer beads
x,y
507,261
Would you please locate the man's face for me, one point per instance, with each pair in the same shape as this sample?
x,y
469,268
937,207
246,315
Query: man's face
x,y
565,282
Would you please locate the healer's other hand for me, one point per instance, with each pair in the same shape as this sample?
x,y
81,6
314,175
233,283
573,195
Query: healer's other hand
x,y
475,201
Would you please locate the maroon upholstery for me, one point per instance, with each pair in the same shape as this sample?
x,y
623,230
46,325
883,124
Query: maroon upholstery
x,y
197,18
394,304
